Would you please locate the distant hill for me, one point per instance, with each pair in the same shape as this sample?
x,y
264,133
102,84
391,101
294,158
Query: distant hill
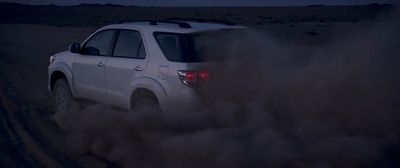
x,y
53,5
376,5
379,5
93,14
316,5
98,5
12,4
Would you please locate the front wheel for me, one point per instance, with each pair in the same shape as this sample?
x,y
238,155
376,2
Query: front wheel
x,y
65,101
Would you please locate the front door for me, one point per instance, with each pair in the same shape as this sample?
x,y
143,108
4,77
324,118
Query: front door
x,y
89,66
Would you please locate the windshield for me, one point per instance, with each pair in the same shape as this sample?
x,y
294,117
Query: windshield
x,y
198,47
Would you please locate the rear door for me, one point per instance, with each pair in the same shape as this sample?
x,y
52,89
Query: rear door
x,y
89,66
127,62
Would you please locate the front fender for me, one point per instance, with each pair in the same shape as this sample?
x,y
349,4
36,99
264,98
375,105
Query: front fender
x,y
150,84
66,70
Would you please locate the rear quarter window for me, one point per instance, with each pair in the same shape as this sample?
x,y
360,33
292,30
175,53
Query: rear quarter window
x,y
171,46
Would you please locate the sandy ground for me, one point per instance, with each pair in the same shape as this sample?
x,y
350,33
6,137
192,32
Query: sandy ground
x,y
29,137
26,105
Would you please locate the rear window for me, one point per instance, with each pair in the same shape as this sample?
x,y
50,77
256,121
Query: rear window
x,y
198,47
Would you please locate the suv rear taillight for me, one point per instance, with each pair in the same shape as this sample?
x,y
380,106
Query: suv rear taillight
x,y
194,78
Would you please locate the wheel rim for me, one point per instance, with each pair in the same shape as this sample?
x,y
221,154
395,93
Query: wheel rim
x,y
146,104
149,113
62,99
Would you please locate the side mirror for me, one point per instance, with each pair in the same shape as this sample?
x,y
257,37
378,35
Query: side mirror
x,y
91,51
75,47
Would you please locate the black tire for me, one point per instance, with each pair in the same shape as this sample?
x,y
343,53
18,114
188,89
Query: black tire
x,y
65,101
145,101
147,112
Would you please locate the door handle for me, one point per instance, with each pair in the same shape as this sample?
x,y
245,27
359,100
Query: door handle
x,y
139,68
100,64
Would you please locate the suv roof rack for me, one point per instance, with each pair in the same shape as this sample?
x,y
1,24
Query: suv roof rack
x,y
201,20
155,22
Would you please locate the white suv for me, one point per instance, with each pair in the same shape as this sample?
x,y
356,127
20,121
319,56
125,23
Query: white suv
x,y
156,63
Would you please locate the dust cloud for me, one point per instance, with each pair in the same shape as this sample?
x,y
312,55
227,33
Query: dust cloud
x,y
271,105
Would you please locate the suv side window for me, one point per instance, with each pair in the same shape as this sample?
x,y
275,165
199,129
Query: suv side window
x,y
171,46
129,44
99,44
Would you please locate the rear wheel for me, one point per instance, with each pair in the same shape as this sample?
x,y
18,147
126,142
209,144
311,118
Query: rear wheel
x,y
146,109
144,100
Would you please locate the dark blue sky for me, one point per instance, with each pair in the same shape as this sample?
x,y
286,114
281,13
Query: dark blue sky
x,y
206,2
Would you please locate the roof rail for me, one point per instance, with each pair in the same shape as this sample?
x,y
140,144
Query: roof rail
x,y
201,20
155,22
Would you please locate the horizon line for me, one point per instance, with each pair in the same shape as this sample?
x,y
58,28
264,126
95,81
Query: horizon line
x,y
122,5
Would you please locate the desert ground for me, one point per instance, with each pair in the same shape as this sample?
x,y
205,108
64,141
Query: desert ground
x,y
345,92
